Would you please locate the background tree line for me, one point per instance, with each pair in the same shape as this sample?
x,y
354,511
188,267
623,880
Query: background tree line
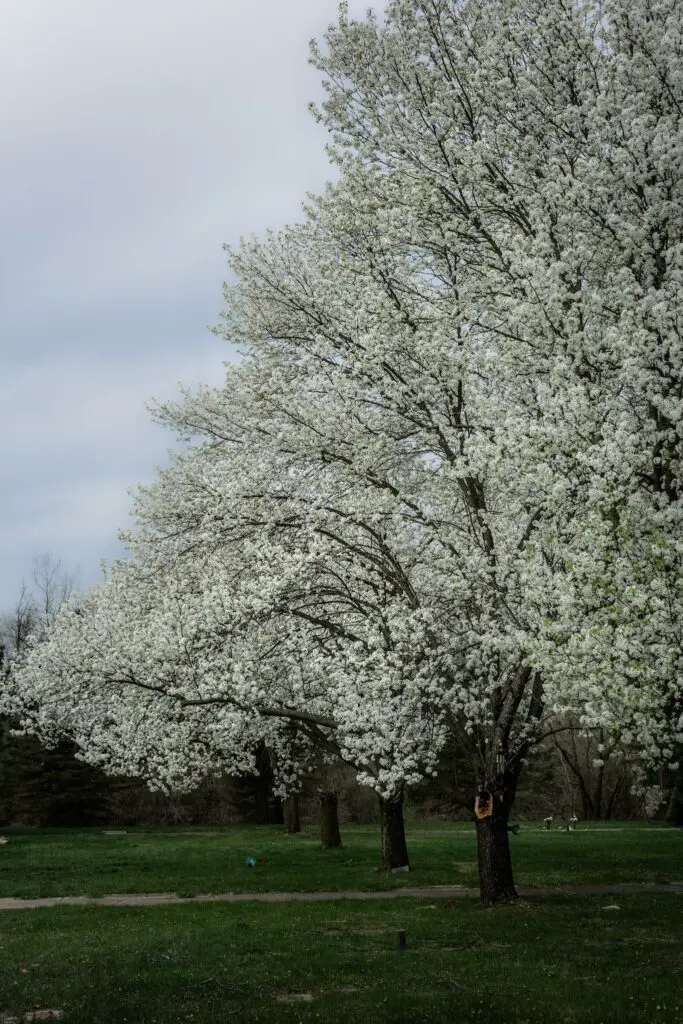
x,y
42,787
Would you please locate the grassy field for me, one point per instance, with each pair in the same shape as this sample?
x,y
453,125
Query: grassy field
x,y
574,959
88,862
568,960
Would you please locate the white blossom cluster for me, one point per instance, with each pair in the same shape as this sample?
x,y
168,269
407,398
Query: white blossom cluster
x,y
442,492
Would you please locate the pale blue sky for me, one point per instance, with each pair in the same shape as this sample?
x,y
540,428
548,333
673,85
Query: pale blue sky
x,y
136,137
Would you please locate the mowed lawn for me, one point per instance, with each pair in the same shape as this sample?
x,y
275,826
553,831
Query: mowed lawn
x,y
598,959
38,863
571,959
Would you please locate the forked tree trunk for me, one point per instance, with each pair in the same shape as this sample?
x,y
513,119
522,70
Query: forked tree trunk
x,y
291,813
394,847
496,881
329,820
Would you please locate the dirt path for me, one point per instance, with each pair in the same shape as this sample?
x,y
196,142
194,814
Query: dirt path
x,y
155,899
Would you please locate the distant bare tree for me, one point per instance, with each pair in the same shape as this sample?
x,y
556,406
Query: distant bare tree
x,y
36,606
597,771
53,585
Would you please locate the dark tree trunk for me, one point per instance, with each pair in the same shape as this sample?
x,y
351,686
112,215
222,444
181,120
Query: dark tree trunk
x,y
258,789
329,820
496,881
278,812
394,847
599,786
291,813
609,810
261,801
674,814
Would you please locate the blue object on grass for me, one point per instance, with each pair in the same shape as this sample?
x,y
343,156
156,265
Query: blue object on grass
x,y
251,862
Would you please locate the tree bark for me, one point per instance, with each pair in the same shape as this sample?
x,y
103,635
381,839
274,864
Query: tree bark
x,y
394,846
329,820
599,785
278,813
496,880
291,813
674,814
609,810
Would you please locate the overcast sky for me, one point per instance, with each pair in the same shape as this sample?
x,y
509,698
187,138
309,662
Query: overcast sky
x,y
136,137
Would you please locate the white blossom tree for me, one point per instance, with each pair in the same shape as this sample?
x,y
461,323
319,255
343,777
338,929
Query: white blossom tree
x,y
538,146
443,493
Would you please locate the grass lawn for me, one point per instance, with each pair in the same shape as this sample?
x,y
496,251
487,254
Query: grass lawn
x,y
548,960
87,862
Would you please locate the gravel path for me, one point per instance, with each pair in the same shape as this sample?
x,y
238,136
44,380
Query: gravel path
x,y
155,899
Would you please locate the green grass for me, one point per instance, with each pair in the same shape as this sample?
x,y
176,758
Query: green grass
x,y
86,862
551,960
546,960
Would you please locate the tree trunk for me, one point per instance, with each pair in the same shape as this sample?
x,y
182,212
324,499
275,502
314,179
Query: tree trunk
x,y
394,847
276,813
291,813
609,810
674,814
496,881
599,785
261,794
329,820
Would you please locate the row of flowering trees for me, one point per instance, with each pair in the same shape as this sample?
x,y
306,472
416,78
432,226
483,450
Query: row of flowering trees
x,y
441,494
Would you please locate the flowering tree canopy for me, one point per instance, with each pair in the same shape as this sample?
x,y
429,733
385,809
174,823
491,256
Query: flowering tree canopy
x,y
442,493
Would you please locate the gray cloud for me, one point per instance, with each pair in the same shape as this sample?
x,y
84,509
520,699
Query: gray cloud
x,y
137,137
